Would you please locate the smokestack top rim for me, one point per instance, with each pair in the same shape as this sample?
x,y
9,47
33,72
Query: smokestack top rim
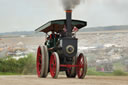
x,y
69,11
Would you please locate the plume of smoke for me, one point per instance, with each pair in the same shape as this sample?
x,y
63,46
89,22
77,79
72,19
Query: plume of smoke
x,y
70,4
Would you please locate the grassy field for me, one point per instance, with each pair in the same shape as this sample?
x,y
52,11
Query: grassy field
x,y
27,66
89,73
92,71
8,73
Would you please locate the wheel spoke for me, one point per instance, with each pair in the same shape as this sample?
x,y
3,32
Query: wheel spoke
x,y
39,54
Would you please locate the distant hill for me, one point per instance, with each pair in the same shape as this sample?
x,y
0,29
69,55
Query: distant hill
x,y
19,33
91,29
107,28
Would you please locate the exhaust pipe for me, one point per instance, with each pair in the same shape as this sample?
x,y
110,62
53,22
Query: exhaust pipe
x,y
69,22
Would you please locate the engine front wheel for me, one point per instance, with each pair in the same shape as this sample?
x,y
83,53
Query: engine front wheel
x,y
54,65
82,66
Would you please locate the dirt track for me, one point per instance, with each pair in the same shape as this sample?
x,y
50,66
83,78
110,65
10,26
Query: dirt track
x,y
62,80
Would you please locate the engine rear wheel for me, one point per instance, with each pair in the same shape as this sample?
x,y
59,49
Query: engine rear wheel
x,y
82,69
40,61
54,65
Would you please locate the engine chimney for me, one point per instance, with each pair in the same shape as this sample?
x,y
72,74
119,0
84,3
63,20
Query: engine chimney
x,y
68,22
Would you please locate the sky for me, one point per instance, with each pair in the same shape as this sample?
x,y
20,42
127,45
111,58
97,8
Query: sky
x,y
27,15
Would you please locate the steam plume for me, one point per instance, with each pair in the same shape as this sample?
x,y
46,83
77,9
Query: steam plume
x,y
70,4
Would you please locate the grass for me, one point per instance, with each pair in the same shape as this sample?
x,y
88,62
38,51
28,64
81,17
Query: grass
x,y
92,71
8,73
120,73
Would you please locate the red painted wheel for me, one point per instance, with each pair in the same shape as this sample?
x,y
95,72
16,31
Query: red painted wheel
x,y
54,65
82,69
40,61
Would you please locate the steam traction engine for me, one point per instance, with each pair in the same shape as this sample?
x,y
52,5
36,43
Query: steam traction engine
x,y
59,53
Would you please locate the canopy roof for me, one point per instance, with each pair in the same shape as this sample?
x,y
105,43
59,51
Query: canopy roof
x,y
58,25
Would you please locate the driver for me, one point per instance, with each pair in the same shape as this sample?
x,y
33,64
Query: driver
x,y
52,35
52,40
